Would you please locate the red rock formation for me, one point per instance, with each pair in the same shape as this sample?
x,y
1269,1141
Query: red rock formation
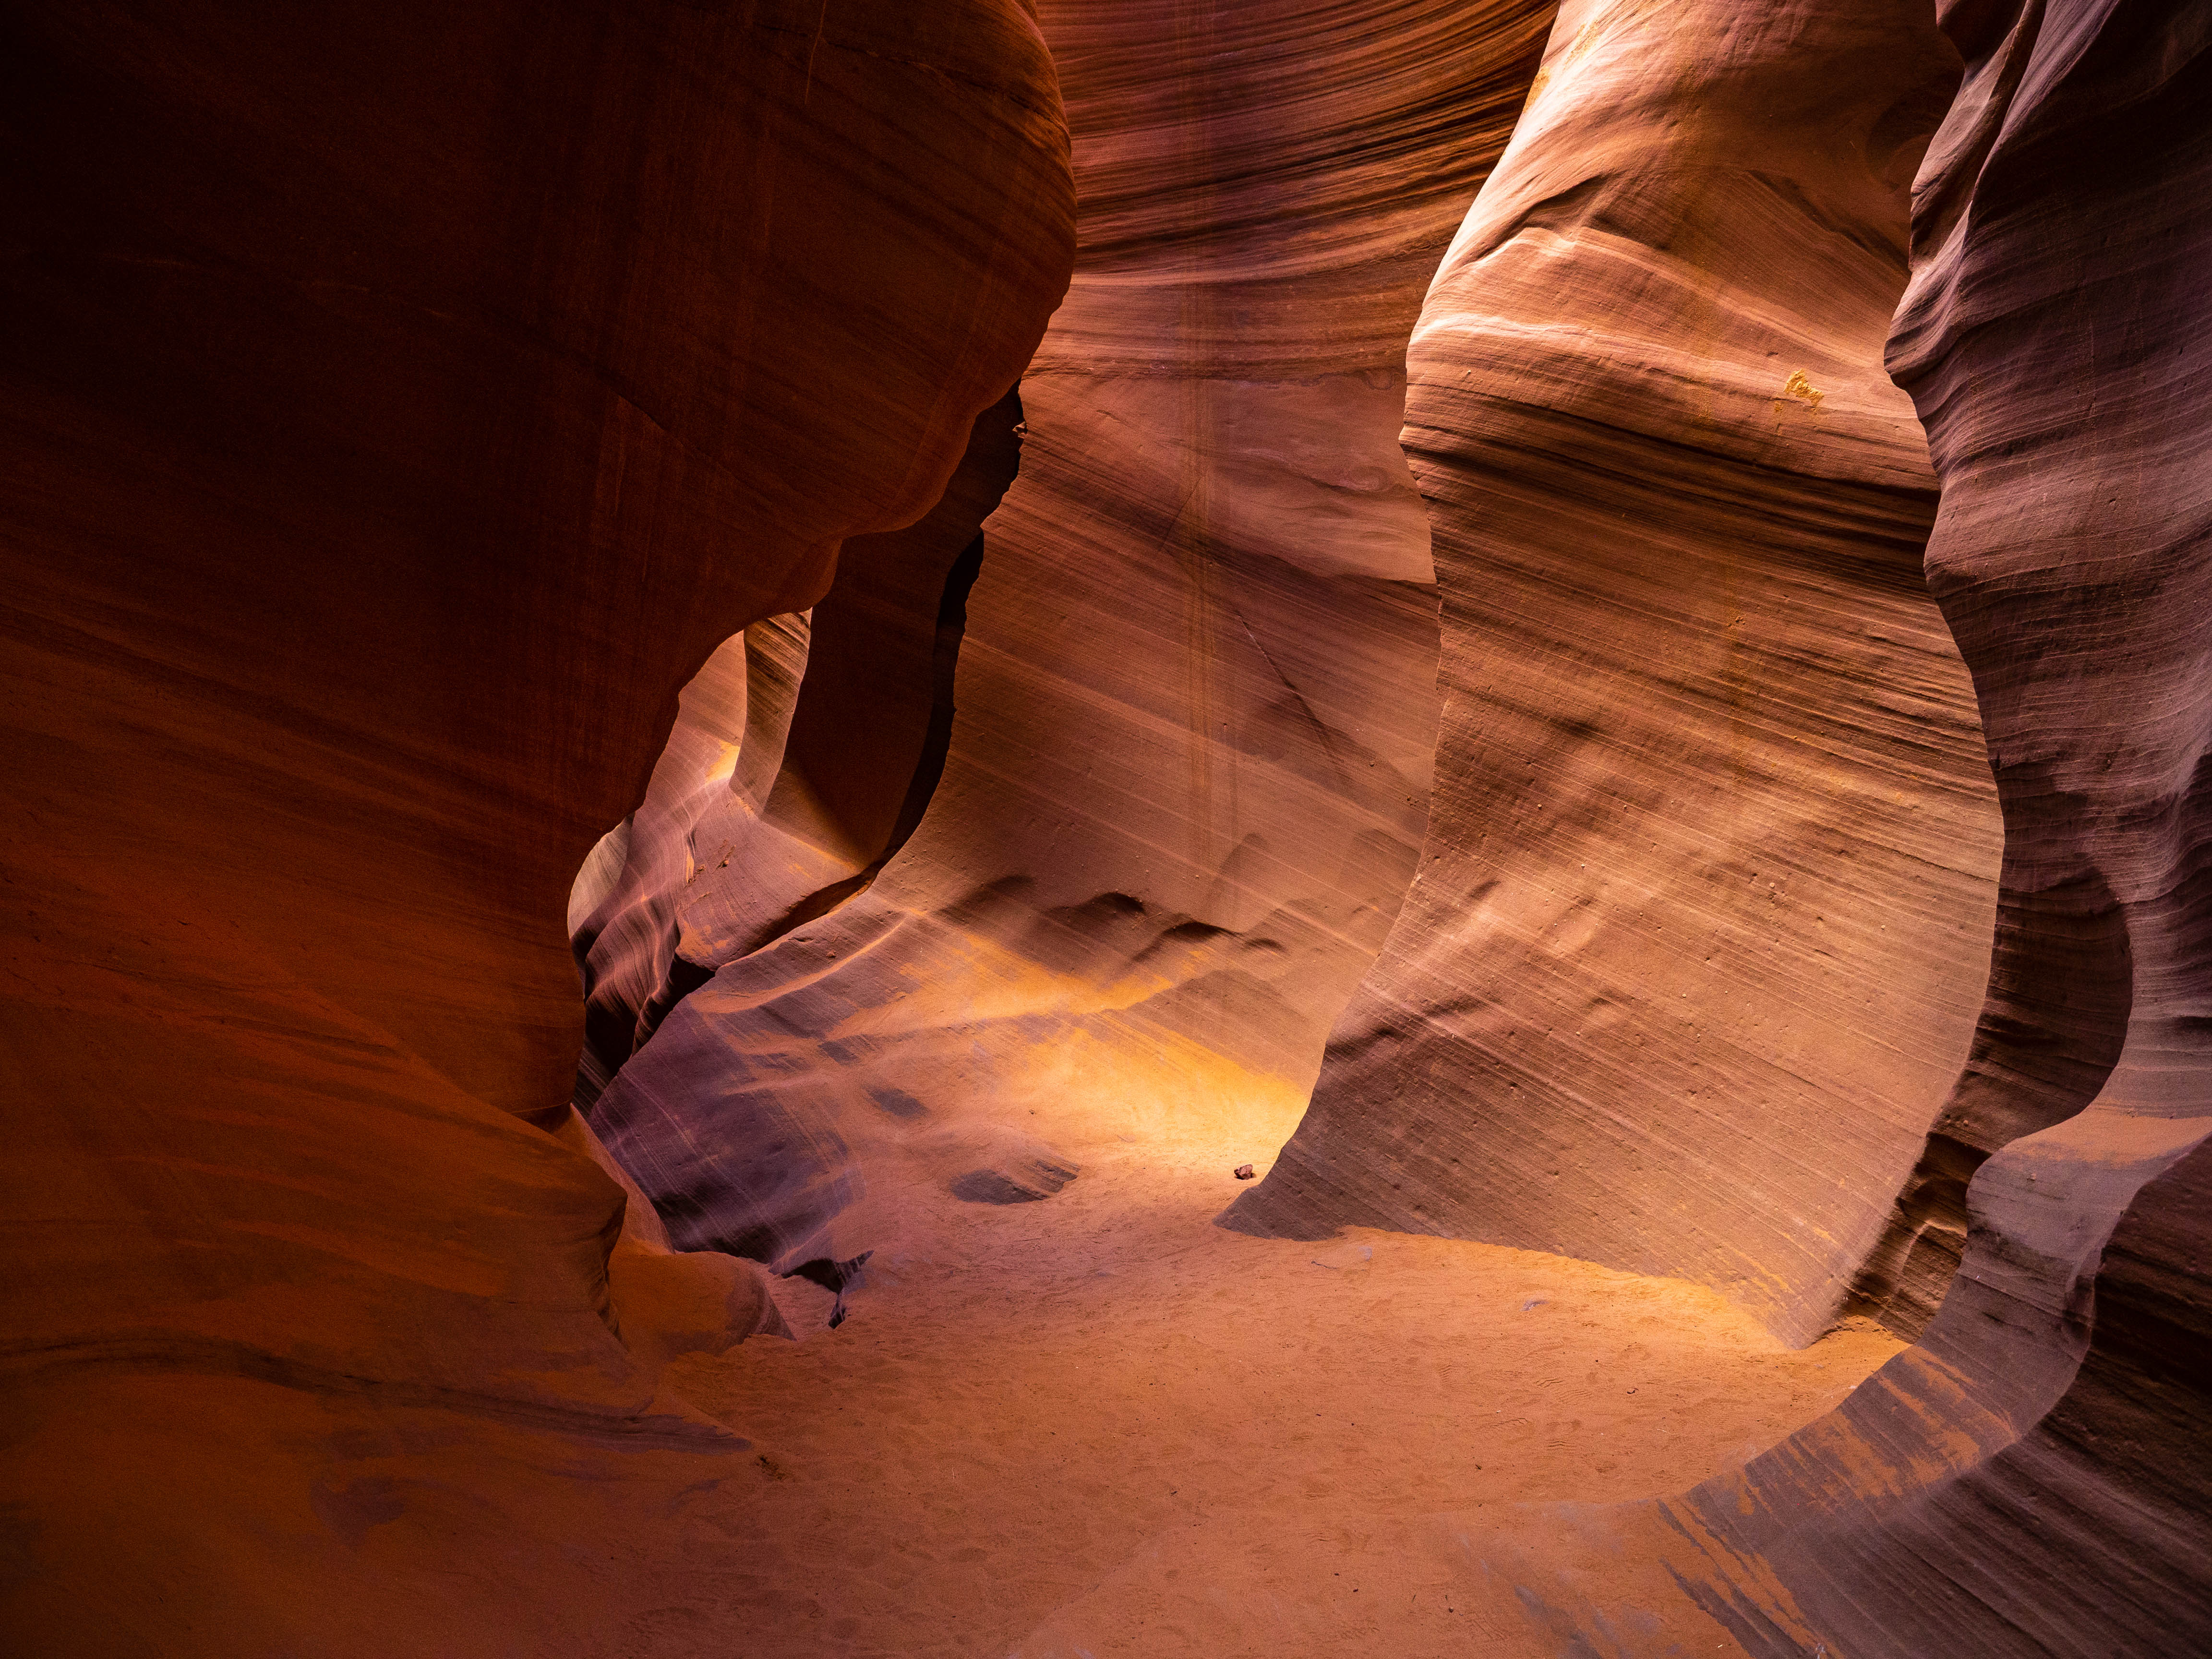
x,y
1702,917
401,402
1195,713
2057,341
2033,1479
770,806
2098,969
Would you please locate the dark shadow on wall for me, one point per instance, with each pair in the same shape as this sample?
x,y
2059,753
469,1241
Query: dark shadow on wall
x,y
929,767
844,782
874,720
2062,983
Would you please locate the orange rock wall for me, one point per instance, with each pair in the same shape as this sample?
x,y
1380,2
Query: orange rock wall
x,y
1703,915
401,402
2055,339
2032,1478
1189,763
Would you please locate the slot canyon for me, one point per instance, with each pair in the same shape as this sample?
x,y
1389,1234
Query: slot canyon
x,y
1190,827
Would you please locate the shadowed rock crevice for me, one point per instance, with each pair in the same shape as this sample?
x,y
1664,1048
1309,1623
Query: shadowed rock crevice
x,y
874,717
724,753
804,755
929,764
1518,699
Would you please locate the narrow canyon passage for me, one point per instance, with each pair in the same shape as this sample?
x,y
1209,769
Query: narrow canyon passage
x,y
1387,829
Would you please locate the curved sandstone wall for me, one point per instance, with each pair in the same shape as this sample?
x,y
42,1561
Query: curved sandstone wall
x,y
1195,697
401,402
2032,1478
2055,341
1703,916
405,404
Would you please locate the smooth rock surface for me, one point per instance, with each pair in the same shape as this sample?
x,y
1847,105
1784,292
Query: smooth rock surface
x,y
401,406
2034,1477
2058,340
1703,909
1189,767
401,402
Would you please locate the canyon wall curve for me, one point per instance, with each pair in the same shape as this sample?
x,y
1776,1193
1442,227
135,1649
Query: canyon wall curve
x,y
1703,913
2031,1477
402,402
1190,765
1449,610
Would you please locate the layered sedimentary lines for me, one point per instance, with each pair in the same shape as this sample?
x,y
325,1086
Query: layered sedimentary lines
x,y
1266,188
2070,560
401,402
1195,695
1704,910
2068,557
2032,1479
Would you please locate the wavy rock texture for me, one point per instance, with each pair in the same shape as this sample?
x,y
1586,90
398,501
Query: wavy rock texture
x,y
401,402
2083,616
1704,912
1196,692
2061,207
2033,1479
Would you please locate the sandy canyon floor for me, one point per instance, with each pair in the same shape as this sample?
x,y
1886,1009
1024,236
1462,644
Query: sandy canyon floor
x,y
1099,1424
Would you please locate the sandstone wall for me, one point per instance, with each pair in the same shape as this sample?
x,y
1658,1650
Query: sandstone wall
x,y
2031,1479
1189,764
2055,339
401,402
1703,916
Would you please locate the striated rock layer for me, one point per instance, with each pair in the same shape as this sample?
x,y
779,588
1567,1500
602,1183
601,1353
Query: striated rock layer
x,y
2057,341
1195,693
2034,1478
400,404
1703,915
